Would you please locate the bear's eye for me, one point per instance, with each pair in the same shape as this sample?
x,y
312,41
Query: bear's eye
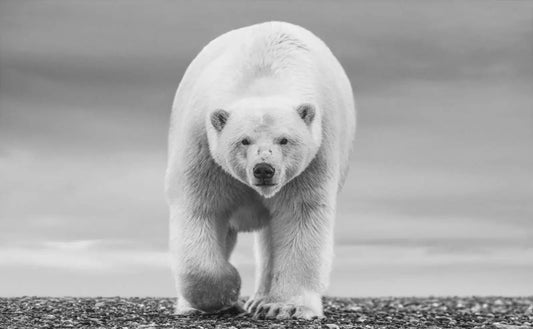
x,y
245,141
283,141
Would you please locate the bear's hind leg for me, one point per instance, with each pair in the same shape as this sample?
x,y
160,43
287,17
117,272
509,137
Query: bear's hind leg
x,y
231,241
299,252
263,274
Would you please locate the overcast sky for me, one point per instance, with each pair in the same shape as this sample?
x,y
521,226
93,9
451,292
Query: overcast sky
x,y
439,199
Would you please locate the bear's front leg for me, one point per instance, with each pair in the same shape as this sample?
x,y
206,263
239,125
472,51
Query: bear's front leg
x,y
199,246
295,260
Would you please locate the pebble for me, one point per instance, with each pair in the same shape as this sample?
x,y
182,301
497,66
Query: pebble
x,y
332,326
152,313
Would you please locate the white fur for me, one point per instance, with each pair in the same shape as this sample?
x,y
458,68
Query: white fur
x,y
259,76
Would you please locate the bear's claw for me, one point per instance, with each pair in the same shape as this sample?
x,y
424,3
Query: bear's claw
x,y
262,310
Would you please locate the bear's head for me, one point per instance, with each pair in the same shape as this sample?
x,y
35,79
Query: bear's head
x,y
264,142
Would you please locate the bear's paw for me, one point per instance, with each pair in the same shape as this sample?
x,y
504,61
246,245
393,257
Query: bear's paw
x,y
261,308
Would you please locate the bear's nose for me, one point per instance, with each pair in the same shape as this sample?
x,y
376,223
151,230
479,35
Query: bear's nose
x,y
264,170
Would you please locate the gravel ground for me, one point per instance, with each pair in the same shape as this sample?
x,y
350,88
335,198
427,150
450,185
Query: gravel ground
x,y
454,312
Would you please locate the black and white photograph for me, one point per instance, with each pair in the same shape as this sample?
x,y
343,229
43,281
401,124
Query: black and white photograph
x,y
266,164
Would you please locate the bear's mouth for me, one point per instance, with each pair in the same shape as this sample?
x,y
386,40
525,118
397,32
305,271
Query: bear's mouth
x,y
265,184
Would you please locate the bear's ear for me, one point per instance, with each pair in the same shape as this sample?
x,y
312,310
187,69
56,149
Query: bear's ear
x,y
219,119
306,112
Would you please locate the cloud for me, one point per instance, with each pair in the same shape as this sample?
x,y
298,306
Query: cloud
x,y
150,46
90,196
442,151
81,255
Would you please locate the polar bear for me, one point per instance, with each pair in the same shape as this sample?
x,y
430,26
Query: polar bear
x,y
260,136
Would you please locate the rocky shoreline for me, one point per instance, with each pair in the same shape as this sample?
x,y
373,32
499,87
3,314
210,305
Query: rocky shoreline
x,y
368,313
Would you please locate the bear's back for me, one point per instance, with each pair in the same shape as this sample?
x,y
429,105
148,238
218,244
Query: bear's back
x,y
230,63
